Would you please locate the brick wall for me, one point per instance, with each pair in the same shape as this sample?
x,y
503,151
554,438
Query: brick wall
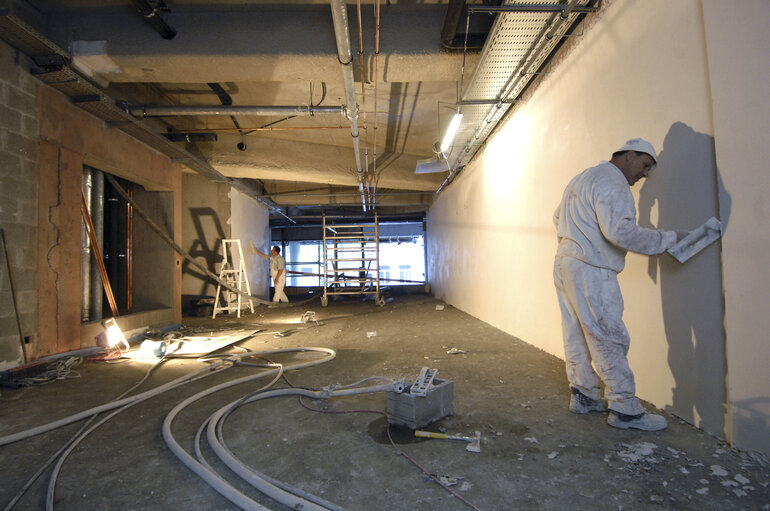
x,y
19,135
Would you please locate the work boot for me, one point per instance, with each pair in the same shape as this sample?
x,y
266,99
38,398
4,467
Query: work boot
x,y
644,421
580,403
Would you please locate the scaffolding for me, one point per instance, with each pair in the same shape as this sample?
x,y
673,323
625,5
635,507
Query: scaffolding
x,y
349,251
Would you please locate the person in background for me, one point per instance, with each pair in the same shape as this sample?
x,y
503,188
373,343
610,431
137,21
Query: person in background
x,y
596,226
277,271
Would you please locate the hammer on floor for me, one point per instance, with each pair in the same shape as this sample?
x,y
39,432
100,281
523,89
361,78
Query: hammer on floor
x,y
474,442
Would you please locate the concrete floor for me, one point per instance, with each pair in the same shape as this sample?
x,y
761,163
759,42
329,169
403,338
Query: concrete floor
x,y
535,454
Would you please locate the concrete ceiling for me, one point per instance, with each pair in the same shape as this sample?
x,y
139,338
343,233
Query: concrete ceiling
x,y
280,53
112,58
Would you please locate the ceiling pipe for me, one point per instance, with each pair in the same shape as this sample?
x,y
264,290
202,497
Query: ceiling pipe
x,y
449,37
151,14
142,111
345,56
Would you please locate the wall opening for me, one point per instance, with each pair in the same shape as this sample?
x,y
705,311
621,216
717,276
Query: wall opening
x,y
137,262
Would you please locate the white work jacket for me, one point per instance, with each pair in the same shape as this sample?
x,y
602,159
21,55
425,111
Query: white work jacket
x,y
596,220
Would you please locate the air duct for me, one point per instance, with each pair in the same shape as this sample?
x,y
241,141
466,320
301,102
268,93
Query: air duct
x,y
151,13
142,111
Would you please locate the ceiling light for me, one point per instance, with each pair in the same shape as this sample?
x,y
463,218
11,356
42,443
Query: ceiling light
x,y
450,132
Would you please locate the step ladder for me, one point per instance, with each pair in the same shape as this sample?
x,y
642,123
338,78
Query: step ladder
x,y
234,273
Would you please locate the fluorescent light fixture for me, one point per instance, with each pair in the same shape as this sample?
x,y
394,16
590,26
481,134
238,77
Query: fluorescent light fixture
x,y
114,334
450,132
431,165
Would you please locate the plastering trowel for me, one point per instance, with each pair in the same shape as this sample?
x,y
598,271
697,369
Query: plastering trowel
x,y
697,240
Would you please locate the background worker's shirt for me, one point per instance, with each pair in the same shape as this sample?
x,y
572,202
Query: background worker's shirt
x,y
596,220
276,263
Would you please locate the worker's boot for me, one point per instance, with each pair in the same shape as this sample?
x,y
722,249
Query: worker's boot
x,y
644,421
580,403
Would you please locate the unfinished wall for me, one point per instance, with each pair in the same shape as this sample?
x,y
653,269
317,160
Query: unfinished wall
x,y
206,211
641,69
43,159
249,221
18,196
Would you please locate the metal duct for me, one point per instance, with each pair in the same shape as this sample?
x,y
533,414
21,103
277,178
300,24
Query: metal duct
x,y
151,14
345,56
191,137
97,217
142,111
449,37
85,257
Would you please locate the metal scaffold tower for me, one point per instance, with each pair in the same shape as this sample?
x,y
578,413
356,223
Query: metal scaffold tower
x,y
234,273
352,260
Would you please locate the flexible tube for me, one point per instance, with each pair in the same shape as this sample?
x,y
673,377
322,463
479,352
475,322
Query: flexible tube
x,y
22,435
250,475
214,480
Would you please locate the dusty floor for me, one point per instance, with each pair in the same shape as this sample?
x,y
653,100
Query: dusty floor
x,y
535,454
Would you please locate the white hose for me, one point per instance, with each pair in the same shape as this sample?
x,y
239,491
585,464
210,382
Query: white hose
x,y
250,475
213,479
23,435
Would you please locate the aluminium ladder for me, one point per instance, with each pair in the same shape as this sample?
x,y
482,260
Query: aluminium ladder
x,y
351,249
234,273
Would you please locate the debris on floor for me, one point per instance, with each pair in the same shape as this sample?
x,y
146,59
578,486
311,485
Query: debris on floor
x,y
454,351
369,335
439,307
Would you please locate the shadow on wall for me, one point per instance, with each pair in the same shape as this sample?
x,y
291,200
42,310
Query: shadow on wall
x,y
690,190
208,240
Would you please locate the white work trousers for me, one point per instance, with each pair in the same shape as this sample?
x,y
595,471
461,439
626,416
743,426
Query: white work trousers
x,y
592,321
279,295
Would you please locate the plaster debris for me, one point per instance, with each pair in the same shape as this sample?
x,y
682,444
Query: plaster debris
x,y
728,482
702,491
449,481
553,455
369,335
637,452
716,470
465,486
439,307
454,351
703,481
657,499
308,317
684,470
739,492
741,479
531,439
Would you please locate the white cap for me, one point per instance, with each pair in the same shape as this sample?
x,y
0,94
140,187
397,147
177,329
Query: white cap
x,y
640,146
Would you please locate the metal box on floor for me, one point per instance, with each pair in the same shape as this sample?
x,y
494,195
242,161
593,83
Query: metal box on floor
x,y
415,411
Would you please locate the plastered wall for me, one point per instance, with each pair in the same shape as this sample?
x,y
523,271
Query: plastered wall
x,y
249,221
737,58
642,68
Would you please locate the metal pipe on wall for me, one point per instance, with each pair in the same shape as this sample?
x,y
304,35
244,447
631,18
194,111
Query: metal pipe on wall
x,y
85,257
345,56
97,217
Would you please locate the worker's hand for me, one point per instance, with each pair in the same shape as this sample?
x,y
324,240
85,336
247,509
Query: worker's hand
x,y
680,235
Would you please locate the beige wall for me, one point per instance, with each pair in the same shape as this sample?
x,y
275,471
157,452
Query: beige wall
x,y
641,69
737,58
